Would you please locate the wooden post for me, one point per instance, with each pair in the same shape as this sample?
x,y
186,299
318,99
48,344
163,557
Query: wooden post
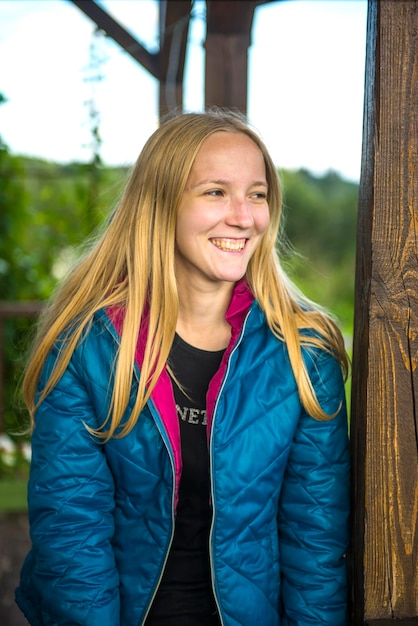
x,y
174,28
384,422
227,41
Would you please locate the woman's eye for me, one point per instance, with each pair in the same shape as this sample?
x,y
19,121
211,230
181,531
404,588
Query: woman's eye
x,y
214,192
259,195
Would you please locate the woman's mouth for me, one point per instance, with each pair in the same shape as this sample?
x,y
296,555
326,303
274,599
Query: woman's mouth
x,y
229,245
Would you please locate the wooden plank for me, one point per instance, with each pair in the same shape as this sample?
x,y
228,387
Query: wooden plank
x,y
384,558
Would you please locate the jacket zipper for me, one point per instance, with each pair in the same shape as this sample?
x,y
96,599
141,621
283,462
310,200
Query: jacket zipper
x,y
238,342
173,495
163,435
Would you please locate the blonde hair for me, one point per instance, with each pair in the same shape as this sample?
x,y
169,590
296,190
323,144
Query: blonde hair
x,y
132,266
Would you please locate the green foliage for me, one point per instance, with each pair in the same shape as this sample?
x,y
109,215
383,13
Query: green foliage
x,y
320,225
46,212
16,271
68,202
13,495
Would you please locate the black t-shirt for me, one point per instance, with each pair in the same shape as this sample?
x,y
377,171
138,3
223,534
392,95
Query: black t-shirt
x,y
185,596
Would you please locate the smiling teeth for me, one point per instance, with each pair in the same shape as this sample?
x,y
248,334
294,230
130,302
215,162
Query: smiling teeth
x,y
229,244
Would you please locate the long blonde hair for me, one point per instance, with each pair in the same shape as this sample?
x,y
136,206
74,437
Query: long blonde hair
x,y
132,265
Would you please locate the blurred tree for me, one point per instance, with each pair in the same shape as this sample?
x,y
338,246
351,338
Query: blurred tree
x,y
46,212
320,224
17,272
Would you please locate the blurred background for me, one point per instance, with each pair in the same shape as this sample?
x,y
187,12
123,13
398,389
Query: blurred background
x,y
75,111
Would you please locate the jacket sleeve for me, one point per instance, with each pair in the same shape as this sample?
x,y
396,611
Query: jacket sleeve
x,y
70,501
314,508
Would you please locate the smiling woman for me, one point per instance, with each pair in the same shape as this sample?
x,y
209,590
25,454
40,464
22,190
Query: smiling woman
x,y
190,452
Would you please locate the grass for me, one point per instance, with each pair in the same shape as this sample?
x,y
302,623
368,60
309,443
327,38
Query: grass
x,y
12,495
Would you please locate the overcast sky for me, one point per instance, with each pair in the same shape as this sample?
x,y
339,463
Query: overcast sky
x,y
306,80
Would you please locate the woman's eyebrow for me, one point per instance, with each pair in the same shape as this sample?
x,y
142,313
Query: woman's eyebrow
x,y
210,181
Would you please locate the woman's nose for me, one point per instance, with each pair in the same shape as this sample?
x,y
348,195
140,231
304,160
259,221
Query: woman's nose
x,y
240,213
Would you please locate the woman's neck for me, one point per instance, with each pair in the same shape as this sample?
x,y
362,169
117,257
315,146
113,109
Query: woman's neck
x,y
201,321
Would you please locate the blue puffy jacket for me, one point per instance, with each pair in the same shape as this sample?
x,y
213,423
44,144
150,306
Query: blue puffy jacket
x,y
102,515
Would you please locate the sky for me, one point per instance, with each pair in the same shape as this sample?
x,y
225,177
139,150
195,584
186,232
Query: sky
x,y
305,81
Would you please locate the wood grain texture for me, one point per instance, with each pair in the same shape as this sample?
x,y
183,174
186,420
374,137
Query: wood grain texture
x,y
385,374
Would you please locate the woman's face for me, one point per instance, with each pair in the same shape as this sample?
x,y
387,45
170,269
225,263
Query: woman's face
x,y
223,213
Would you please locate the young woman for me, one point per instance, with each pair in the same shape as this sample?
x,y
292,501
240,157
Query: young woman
x,y
190,453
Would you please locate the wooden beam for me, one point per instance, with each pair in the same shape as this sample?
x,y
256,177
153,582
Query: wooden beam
x,y
120,35
384,422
